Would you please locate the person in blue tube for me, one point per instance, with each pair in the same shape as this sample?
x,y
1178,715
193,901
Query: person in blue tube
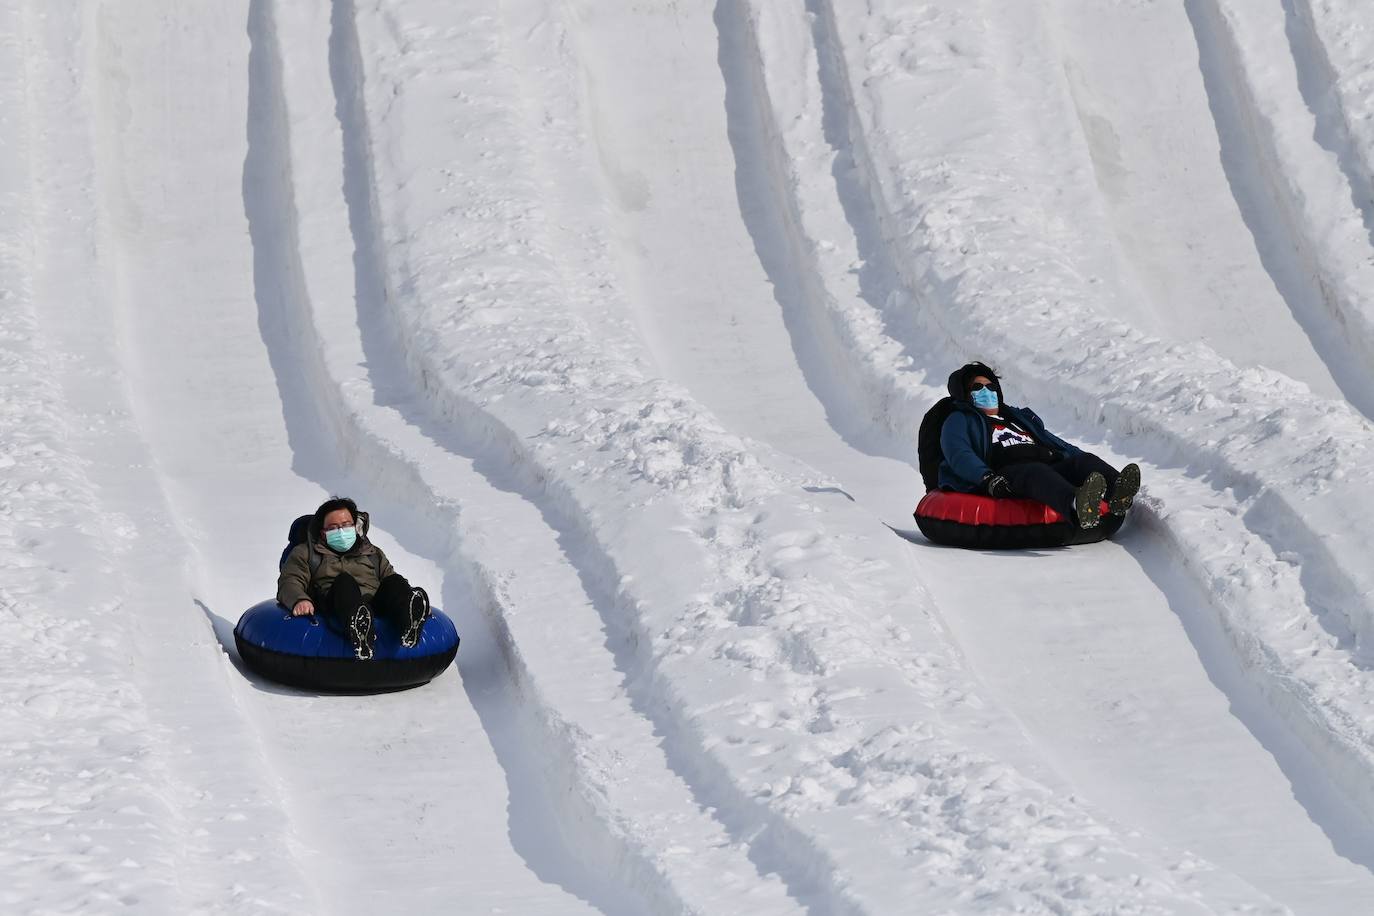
x,y
335,569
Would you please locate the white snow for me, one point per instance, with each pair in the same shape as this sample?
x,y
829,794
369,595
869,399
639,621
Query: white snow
x,y
620,319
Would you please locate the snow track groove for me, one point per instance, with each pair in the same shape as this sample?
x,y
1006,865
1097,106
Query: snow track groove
x,y
849,360
1192,216
70,755
774,845
444,298
411,461
696,677
803,180
961,252
1319,82
714,876
191,825
802,162
1340,41
1298,202
334,444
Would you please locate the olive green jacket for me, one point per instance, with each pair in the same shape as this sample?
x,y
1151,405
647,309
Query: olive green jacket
x,y
362,561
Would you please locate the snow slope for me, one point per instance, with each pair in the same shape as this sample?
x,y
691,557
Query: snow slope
x,y
620,320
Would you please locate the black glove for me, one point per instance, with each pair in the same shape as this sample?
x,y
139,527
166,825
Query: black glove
x,y
996,486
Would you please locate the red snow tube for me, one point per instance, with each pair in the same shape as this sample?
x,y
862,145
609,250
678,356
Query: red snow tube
x,y
984,523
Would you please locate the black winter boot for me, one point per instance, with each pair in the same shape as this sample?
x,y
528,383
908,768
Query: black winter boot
x,y
418,614
360,633
1087,500
1124,490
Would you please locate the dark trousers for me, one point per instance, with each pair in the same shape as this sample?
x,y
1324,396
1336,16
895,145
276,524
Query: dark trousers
x,y
1054,482
392,600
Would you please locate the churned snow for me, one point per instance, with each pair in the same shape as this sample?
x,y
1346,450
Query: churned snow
x,y
620,319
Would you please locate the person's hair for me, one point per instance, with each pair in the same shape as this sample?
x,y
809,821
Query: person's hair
x,y
332,504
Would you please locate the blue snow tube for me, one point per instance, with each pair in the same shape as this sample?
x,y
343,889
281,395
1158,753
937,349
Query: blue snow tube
x,y
309,652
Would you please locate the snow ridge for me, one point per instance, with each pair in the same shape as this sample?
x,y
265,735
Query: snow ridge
x,y
989,284
1313,192
482,335
858,369
608,398
76,784
108,804
1327,44
405,465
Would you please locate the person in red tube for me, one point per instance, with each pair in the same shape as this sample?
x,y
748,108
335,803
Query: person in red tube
x,y
990,447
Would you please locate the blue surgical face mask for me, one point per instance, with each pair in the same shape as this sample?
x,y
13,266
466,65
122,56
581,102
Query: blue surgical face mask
x,y
341,539
984,398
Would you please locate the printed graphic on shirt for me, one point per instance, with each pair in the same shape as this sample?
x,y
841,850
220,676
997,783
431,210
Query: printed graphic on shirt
x,y
1005,435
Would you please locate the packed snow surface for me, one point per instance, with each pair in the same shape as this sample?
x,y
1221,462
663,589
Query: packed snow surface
x,y
620,319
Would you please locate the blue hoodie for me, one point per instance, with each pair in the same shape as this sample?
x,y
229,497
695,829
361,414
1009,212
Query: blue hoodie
x,y
964,439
